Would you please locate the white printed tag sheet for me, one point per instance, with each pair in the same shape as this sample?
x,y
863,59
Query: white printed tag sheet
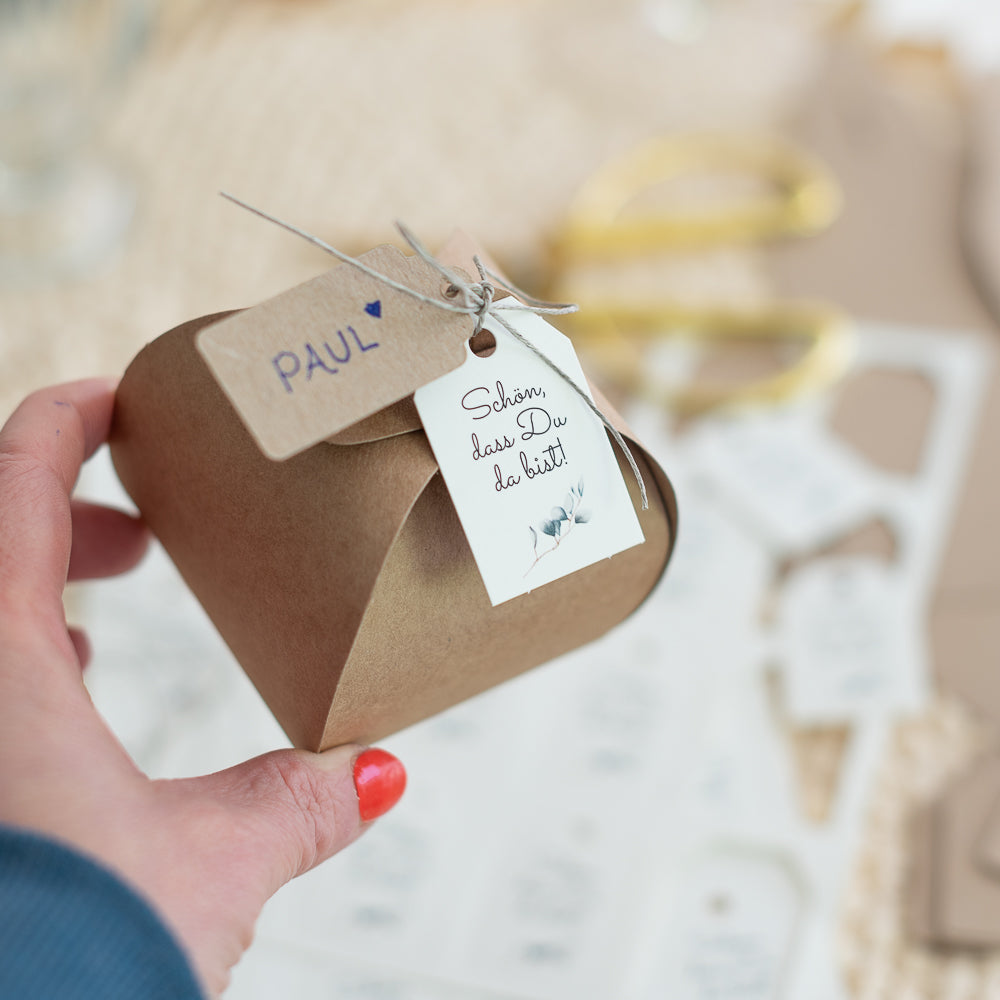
x,y
622,822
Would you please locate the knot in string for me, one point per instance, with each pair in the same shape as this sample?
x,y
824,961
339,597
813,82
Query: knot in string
x,y
487,291
479,295
477,301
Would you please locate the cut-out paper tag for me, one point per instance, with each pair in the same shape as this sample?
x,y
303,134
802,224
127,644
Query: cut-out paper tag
x,y
737,913
528,465
849,632
797,491
313,360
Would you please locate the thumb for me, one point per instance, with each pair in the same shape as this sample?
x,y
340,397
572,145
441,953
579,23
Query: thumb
x,y
300,808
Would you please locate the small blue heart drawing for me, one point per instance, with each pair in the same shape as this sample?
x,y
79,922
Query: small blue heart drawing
x,y
374,308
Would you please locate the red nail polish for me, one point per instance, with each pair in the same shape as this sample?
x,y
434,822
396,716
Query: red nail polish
x,y
380,780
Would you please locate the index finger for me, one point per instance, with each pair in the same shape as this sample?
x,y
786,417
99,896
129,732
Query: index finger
x,y
42,446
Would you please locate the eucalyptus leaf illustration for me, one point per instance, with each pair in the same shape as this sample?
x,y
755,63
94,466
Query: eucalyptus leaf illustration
x,y
559,523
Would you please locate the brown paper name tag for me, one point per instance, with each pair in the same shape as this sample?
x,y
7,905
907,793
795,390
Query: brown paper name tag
x,y
304,365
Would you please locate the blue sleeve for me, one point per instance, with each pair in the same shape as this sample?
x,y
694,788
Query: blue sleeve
x,y
70,929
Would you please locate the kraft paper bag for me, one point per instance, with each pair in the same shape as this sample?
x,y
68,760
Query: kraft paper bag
x,y
341,577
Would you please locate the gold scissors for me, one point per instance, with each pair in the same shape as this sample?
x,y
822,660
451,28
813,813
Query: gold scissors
x,y
794,195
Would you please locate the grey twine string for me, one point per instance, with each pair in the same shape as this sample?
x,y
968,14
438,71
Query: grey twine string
x,y
474,299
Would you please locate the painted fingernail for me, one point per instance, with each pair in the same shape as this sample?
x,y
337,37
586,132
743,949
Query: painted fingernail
x,y
380,780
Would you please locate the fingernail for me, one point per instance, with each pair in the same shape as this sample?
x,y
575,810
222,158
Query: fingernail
x,y
380,780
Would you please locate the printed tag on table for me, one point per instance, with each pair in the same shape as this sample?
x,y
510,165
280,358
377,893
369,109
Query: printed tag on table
x,y
738,910
529,466
313,360
851,641
796,485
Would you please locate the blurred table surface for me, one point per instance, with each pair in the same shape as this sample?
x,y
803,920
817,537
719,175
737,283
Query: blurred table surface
x,y
343,117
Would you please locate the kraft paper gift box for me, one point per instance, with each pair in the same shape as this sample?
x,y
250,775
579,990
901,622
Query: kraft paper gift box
x,y
341,577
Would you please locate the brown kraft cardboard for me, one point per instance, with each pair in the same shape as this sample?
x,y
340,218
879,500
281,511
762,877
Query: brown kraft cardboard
x,y
340,577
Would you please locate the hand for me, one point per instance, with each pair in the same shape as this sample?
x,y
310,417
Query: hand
x,y
206,852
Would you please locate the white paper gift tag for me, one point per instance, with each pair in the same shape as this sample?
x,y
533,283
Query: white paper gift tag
x,y
850,636
796,485
529,466
737,913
